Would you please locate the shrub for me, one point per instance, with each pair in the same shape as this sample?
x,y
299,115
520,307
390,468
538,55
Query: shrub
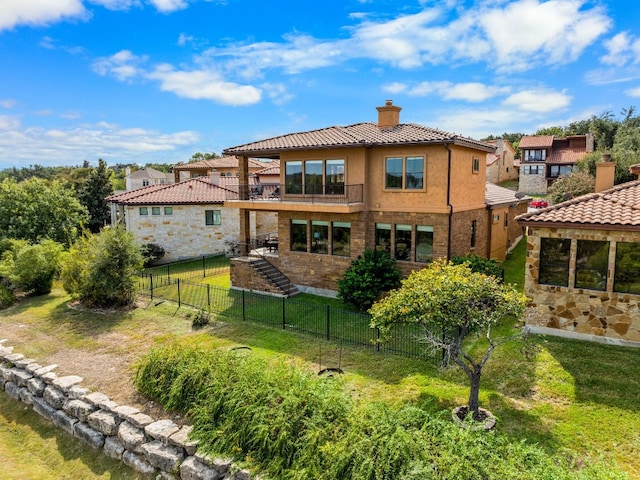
x,y
369,276
151,252
479,264
200,319
32,268
7,298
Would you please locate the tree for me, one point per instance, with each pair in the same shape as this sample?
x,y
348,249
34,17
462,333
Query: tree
x,y
101,269
96,188
556,131
578,182
37,209
368,276
32,268
450,302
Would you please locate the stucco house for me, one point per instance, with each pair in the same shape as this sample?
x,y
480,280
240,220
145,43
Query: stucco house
x,y
187,219
226,166
146,177
415,191
583,264
544,158
500,164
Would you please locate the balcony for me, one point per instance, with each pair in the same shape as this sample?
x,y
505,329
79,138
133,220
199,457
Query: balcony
x,y
337,198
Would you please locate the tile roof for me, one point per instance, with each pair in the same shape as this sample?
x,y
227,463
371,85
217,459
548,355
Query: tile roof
x,y
616,207
536,141
197,190
359,134
496,195
492,158
275,170
221,162
566,155
149,172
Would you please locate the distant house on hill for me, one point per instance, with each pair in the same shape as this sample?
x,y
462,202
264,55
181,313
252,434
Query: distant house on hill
x,y
146,177
225,166
500,164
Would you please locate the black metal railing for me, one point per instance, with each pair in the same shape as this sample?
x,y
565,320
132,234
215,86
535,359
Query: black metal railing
x,y
290,192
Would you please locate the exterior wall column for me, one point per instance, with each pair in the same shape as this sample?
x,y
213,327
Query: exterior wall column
x,y
245,217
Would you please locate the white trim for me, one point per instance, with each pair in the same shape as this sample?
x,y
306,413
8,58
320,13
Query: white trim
x,y
557,332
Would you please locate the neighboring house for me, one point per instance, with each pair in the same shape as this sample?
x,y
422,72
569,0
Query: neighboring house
x,y
414,191
504,205
188,219
500,165
146,177
226,166
544,158
583,264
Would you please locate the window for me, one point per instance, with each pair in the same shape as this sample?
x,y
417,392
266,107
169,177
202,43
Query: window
x,y
155,210
341,238
557,170
404,173
383,236
144,211
554,261
476,165
535,155
627,276
293,177
168,210
424,244
313,177
592,262
403,242
496,218
145,183
335,177
319,237
474,231
533,169
298,235
212,217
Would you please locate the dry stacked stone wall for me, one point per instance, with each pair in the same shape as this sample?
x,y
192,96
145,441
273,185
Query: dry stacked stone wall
x,y
160,449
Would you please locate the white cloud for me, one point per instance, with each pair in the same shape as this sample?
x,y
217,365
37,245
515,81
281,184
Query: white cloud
x,y
8,103
38,12
470,91
538,101
633,92
277,93
622,49
184,39
117,4
167,6
9,123
123,65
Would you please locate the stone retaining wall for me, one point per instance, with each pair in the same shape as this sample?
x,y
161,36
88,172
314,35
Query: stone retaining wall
x,y
157,448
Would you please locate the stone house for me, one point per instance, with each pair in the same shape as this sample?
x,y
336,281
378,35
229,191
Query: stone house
x,y
414,191
225,166
544,158
500,164
146,177
583,264
188,219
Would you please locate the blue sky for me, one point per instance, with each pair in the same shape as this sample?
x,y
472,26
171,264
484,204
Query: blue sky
x,y
158,80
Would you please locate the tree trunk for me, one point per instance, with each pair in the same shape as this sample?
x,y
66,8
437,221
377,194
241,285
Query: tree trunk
x,y
474,391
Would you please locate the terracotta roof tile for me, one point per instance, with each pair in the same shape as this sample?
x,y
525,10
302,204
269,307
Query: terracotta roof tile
x,y
496,195
618,206
269,171
359,134
221,162
566,155
536,141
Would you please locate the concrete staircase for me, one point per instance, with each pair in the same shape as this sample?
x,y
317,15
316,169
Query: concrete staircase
x,y
274,276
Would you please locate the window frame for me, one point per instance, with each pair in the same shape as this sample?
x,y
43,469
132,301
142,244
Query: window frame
x,y
212,218
168,211
143,211
400,176
584,268
545,268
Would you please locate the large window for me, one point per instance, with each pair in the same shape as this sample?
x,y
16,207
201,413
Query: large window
x,y
319,237
298,235
592,262
341,238
212,217
404,173
557,170
533,169
403,242
535,155
554,261
315,177
627,276
424,243
383,236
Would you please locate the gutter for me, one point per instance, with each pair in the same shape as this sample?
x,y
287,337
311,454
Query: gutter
x,y
450,220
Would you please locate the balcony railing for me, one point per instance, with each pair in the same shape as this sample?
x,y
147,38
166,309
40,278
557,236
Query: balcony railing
x,y
287,192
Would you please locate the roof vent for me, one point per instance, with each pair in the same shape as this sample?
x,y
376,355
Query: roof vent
x,y
389,115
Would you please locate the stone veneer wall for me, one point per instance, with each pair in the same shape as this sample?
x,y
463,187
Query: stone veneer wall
x,y
151,447
534,184
580,313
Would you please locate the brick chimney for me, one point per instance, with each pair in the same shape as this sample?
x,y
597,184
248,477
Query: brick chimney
x,y
389,115
605,173
214,176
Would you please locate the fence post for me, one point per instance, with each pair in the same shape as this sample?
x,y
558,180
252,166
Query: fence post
x,y
284,316
328,322
168,273
244,313
204,268
179,303
208,296
151,284
378,337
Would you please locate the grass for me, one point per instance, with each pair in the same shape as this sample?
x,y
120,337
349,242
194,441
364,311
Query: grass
x,y
558,393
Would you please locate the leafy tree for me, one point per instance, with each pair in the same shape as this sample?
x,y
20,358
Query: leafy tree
x,y
152,252
32,268
579,182
450,302
101,269
198,156
368,276
92,194
36,209
480,264
556,131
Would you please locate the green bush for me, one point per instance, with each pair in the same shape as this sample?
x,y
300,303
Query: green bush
x,y
480,264
367,278
7,298
32,268
151,252
291,424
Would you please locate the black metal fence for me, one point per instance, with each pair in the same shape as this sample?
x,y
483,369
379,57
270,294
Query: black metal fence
x,y
202,267
290,314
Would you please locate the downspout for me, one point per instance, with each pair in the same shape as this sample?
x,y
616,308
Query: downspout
x,y
446,145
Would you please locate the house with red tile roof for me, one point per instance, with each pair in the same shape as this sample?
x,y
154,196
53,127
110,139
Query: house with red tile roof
x,y
226,166
416,192
145,177
500,164
188,219
544,158
583,265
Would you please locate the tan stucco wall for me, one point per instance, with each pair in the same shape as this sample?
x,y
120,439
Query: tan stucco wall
x,y
584,313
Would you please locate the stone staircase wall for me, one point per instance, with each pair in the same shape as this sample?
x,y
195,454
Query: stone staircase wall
x,y
159,449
